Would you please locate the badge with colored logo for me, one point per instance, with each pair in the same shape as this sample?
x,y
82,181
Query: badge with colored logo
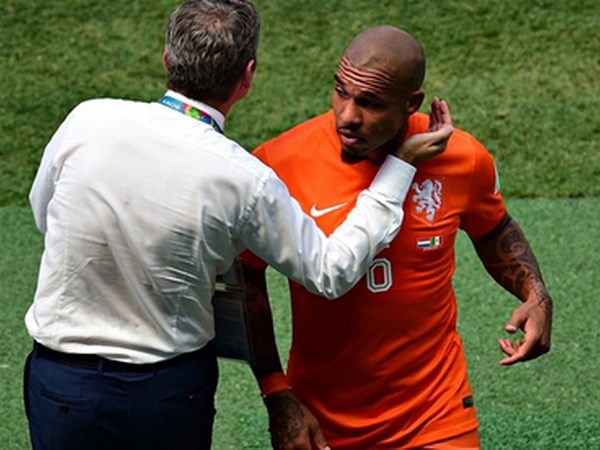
x,y
430,243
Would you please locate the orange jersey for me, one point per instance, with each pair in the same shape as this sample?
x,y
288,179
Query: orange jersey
x,y
383,366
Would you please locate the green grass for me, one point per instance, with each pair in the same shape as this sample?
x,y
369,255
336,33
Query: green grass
x,y
21,248
521,76
548,403
551,402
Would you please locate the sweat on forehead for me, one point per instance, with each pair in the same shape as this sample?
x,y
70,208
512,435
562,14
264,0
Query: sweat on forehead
x,y
390,51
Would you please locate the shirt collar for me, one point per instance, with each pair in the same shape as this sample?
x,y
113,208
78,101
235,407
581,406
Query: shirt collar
x,y
213,112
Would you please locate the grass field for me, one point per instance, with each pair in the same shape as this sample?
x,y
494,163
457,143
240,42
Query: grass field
x,y
521,76
551,403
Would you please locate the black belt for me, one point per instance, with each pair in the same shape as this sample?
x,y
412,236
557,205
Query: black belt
x,y
99,363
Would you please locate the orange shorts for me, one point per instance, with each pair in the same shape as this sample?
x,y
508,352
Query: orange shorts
x,y
464,441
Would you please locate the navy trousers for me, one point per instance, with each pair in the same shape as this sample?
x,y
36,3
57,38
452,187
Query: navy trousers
x,y
70,407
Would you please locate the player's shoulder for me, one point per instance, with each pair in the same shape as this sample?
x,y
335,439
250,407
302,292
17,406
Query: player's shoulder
x,y
468,154
462,144
465,141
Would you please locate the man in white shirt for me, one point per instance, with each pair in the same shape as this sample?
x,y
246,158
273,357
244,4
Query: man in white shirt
x,y
142,205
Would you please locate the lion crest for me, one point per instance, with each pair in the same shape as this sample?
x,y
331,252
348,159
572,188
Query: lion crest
x,y
428,197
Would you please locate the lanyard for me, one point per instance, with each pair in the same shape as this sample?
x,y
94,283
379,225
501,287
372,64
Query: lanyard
x,y
191,111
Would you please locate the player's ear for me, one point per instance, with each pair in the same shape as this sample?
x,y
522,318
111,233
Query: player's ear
x,y
415,101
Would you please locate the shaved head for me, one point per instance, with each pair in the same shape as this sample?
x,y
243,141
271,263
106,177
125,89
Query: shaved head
x,y
391,53
377,87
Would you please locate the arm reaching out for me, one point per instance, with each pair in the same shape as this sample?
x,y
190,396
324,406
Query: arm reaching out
x,y
508,258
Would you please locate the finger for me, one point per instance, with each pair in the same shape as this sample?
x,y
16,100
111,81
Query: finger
x,y
433,125
319,439
435,116
516,321
315,431
444,112
517,357
507,346
510,360
524,350
442,134
440,112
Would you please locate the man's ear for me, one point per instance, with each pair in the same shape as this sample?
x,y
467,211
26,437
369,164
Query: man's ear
x,y
165,59
242,86
415,101
248,75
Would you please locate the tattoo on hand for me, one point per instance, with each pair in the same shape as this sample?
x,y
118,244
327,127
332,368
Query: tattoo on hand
x,y
286,417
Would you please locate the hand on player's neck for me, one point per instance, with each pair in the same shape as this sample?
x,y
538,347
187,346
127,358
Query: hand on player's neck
x,y
378,155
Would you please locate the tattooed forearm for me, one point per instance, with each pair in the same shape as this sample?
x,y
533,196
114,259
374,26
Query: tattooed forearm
x,y
543,299
260,323
508,258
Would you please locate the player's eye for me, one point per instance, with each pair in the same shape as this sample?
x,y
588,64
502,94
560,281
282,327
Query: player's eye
x,y
340,91
369,103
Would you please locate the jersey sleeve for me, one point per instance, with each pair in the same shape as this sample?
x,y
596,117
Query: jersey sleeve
x,y
485,208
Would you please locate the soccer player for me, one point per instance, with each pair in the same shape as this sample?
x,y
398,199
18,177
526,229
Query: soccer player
x,y
384,366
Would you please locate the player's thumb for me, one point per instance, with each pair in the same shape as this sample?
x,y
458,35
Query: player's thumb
x,y
516,321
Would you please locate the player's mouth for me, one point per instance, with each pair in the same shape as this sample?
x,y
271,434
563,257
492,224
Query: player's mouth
x,y
349,139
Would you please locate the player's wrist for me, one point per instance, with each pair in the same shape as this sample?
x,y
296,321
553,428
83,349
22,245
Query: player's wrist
x,y
405,156
284,392
273,383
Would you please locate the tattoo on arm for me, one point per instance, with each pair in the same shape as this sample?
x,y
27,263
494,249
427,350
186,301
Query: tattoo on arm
x,y
286,417
509,259
260,322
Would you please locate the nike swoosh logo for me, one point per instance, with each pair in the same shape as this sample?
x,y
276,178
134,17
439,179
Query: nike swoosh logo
x,y
316,212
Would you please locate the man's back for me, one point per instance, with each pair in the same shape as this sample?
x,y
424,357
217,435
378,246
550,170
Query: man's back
x,y
137,230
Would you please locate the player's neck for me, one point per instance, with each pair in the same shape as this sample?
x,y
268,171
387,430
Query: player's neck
x,y
378,155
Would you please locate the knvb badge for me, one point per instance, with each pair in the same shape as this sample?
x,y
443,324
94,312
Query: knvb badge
x,y
430,243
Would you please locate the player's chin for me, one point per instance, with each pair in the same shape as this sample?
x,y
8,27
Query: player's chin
x,y
351,155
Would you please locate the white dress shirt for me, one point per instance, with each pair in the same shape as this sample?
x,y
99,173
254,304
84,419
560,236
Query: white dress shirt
x,y
142,206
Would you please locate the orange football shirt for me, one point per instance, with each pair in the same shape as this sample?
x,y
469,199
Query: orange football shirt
x,y
383,366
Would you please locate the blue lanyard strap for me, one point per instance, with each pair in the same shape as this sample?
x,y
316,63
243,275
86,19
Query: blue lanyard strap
x,y
190,111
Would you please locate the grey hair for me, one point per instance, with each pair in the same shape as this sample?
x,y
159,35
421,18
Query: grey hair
x,y
209,44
